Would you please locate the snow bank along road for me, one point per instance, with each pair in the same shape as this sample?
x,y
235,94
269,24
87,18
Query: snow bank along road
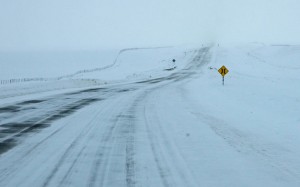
x,y
143,133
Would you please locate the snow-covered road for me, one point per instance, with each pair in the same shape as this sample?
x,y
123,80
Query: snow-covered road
x,y
147,132
115,138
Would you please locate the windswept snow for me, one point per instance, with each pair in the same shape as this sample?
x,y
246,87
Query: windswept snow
x,y
135,124
256,114
84,69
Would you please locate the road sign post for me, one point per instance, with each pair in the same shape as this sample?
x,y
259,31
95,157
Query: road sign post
x,y
223,71
223,80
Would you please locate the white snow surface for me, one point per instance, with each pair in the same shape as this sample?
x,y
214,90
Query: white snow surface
x,y
152,127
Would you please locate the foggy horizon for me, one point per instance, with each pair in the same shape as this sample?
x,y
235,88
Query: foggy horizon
x,y
92,25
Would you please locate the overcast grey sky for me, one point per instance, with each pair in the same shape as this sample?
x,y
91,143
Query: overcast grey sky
x,y
93,24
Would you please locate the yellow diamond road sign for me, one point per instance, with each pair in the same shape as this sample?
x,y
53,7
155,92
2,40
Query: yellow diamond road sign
x,y
223,71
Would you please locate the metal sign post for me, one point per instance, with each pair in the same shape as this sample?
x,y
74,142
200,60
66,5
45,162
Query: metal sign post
x,y
223,71
223,80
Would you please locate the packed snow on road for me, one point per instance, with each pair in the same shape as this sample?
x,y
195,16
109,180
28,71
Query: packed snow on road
x,y
134,117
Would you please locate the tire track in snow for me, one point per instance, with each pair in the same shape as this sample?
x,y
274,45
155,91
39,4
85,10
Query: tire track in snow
x,y
68,151
106,133
101,160
130,142
60,162
169,161
68,173
122,126
159,161
176,171
105,148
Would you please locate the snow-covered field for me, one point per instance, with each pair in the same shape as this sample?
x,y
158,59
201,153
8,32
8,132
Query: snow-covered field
x,y
256,113
124,119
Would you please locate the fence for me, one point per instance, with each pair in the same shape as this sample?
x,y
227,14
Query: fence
x,y
12,81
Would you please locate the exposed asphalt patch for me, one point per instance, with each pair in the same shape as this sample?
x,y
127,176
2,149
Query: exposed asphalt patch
x,y
153,81
10,109
19,129
91,90
126,90
31,102
7,145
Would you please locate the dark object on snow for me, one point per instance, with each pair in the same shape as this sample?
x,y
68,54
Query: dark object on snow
x,y
170,69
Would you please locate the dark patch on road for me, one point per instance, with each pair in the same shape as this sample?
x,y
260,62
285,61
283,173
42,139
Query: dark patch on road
x,y
71,109
18,107
7,145
10,128
153,81
9,109
31,102
91,90
14,130
124,90
121,90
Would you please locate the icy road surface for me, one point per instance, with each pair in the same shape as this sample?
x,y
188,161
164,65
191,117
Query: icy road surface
x,y
143,133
